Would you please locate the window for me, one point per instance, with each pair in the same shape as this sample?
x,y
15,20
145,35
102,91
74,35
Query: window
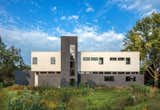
x,y
120,72
100,60
72,52
108,78
86,58
127,72
114,73
94,58
107,72
100,72
35,60
72,73
95,73
129,78
120,59
113,59
128,60
71,64
53,61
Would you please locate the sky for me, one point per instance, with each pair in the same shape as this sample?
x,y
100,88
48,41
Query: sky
x,y
101,25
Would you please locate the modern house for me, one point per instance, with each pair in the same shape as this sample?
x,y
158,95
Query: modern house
x,y
70,67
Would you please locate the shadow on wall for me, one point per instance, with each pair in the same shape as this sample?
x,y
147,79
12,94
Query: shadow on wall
x,y
23,77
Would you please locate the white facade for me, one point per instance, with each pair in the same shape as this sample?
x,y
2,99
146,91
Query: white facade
x,y
112,62
91,63
44,61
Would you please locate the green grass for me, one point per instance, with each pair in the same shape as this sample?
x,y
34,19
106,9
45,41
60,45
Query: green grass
x,y
136,97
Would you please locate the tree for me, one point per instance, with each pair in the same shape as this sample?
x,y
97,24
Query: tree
x,y
10,60
145,38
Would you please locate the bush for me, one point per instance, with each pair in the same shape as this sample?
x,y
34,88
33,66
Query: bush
x,y
26,101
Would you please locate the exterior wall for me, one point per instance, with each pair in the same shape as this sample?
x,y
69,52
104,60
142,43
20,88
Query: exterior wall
x,y
119,79
66,41
44,63
51,80
119,66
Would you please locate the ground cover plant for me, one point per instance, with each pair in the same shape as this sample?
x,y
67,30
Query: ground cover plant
x,y
135,97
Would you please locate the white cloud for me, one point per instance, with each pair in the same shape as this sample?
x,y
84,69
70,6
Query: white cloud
x,y
53,9
27,41
144,7
90,39
72,17
89,8
63,17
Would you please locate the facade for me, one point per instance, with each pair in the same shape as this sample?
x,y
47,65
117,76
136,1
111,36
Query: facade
x,y
70,67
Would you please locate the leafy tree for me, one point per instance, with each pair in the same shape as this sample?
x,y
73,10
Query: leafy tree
x,y
10,60
145,38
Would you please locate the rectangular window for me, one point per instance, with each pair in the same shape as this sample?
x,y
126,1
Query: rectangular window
x,y
35,60
113,58
95,73
72,72
120,59
129,78
86,58
100,60
53,61
128,61
107,72
108,78
94,58
72,52
120,72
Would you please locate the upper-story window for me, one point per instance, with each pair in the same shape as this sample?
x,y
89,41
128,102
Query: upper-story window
x,y
53,60
121,59
86,58
101,60
128,60
94,58
34,60
113,58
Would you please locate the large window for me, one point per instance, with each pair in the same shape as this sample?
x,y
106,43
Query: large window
x,y
94,58
100,60
86,58
128,61
72,52
53,61
113,59
108,78
120,59
35,60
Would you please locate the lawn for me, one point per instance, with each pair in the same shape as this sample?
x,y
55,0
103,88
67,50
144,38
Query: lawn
x,y
135,97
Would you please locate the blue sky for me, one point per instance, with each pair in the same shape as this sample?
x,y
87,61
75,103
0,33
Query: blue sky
x,y
101,25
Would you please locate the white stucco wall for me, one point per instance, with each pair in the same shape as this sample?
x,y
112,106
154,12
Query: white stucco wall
x,y
44,63
109,65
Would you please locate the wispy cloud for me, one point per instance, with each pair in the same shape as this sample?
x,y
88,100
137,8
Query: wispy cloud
x,y
91,38
54,8
143,7
29,40
72,17
89,8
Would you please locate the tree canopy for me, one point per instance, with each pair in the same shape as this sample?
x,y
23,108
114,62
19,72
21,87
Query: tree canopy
x,y
10,60
145,38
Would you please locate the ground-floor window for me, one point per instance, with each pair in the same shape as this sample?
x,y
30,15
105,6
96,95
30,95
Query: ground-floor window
x,y
130,78
108,78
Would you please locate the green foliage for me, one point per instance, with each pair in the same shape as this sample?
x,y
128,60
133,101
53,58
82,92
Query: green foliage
x,y
145,38
135,97
10,60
